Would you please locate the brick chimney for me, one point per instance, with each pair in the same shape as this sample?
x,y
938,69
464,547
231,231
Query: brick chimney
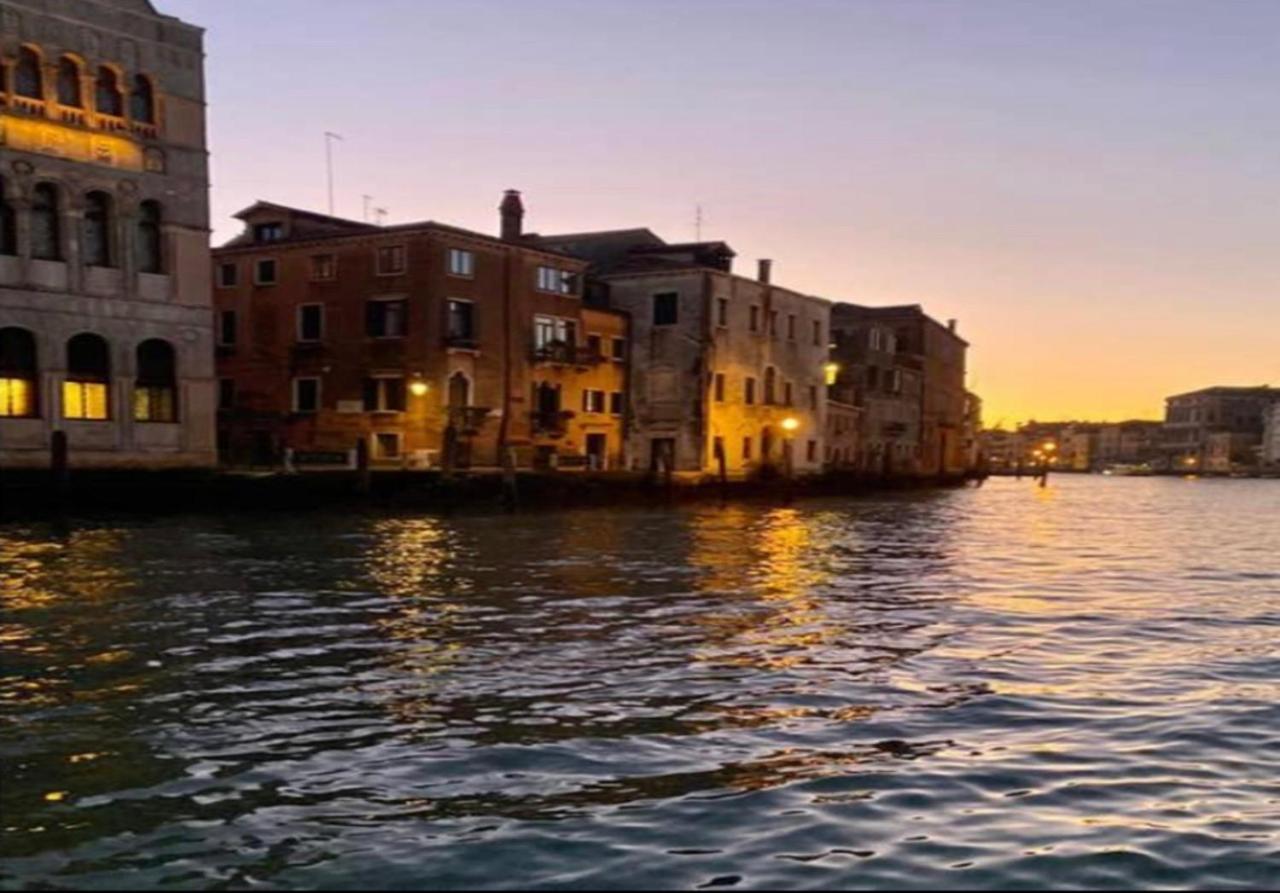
x,y
764,269
512,210
951,325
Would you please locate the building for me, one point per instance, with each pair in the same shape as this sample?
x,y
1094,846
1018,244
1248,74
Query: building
x,y
908,370
105,331
844,424
1191,419
974,457
721,365
432,344
1133,442
1271,437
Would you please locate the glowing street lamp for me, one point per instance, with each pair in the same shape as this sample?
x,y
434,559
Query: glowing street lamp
x,y
789,426
831,371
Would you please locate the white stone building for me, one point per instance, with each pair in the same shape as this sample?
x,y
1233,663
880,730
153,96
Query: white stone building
x,y
105,312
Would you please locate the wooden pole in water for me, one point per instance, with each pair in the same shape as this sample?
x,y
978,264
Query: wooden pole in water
x,y
721,469
364,476
60,465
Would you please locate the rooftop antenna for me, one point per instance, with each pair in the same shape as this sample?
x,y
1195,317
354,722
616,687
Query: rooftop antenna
x,y
367,199
697,222
379,215
329,137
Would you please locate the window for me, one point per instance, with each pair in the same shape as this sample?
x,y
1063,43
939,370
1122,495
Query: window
x,y
811,450
228,275
384,394
817,332
770,386
461,326
619,349
749,391
69,93
791,327
755,319
773,323
386,319
391,260
150,252
595,346
550,331
554,280
719,387
717,449
310,322
875,339
85,391
592,401
28,78
8,222
786,394
722,312
97,229
19,374
459,390
142,102
746,449
227,328
461,263
813,396
226,393
324,267
264,272
615,403
386,445
268,232
306,395
110,99
46,234
155,394
666,308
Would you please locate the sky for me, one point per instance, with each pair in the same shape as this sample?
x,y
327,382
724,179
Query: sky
x,y
1092,187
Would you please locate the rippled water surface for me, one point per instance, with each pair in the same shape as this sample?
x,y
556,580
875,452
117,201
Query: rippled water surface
x,y
997,687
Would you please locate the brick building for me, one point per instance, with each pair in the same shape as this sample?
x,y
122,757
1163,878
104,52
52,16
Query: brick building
x,y
105,329
412,337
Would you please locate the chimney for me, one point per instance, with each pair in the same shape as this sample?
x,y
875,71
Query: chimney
x,y
766,266
512,210
951,326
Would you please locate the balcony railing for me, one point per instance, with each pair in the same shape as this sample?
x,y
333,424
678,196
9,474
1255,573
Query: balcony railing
x,y
563,352
551,423
462,341
468,419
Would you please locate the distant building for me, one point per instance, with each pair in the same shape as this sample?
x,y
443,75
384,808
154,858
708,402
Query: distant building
x,y
1192,418
843,435
105,329
973,453
1132,442
1271,436
429,342
720,362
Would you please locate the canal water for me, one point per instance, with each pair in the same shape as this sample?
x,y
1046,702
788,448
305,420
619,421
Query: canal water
x,y
1002,687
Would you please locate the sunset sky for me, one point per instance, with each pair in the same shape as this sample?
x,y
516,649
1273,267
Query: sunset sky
x,y
1091,188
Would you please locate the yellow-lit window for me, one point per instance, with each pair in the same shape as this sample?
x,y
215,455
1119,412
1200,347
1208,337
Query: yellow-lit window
x,y
17,398
154,404
84,400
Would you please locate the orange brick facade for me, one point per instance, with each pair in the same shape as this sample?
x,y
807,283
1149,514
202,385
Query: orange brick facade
x,y
396,335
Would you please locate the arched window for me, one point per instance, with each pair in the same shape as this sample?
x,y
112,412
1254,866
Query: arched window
x,y
459,390
770,385
8,223
142,102
28,77
97,230
155,395
110,100
150,255
46,232
69,83
19,374
766,444
85,393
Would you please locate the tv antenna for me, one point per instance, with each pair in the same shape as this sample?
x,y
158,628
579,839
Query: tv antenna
x,y
367,199
379,216
329,137
697,222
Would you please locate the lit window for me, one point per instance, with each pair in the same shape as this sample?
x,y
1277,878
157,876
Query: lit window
x,y
386,445
155,396
554,280
18,373
85,391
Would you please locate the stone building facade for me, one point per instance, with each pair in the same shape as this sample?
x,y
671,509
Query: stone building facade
x,y
721,364
431,343
1192,418
105,317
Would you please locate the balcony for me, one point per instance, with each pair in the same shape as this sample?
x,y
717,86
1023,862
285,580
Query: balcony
x,y
461,341
551,423
566,354
468,420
